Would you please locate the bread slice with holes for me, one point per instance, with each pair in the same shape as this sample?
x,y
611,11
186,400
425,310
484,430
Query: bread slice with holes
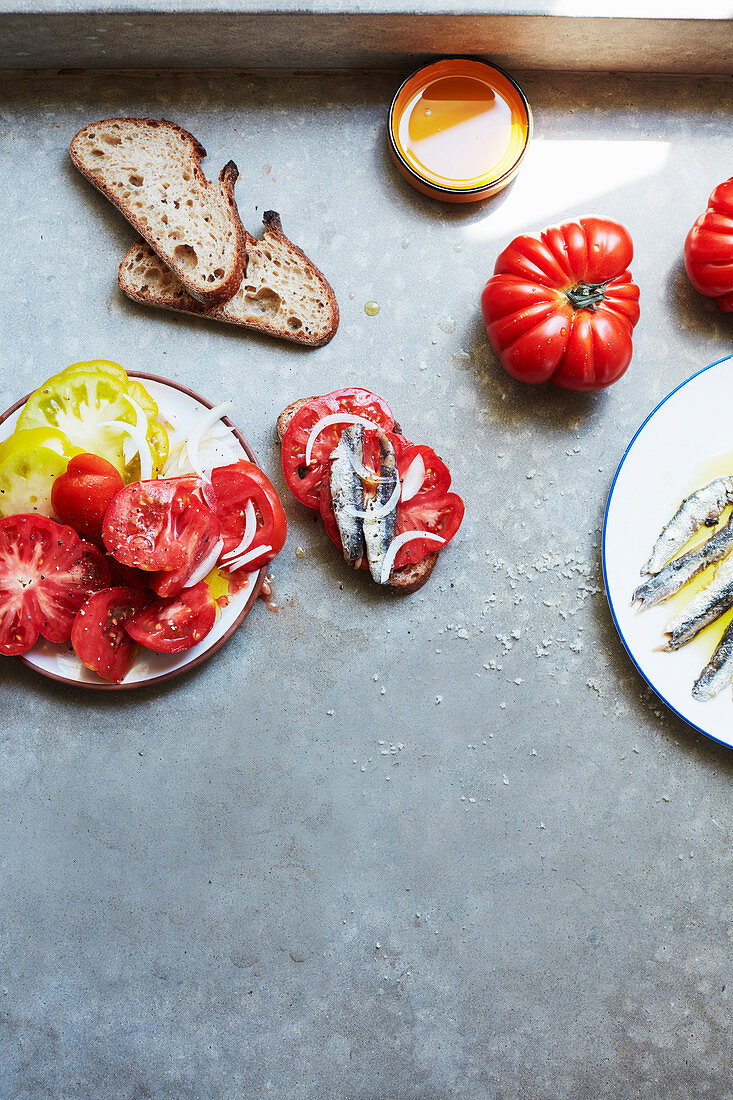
x,y
409,578
151,170
282,293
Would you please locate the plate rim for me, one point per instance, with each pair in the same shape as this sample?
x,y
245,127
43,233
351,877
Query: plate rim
x,y
639,430
253,596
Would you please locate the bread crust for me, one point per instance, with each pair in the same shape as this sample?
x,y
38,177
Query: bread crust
x,y
273,227
408,579
227,177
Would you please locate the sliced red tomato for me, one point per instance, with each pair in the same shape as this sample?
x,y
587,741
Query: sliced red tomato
x,y
437,474
141,523
304,481
174,625
435,511
99,639
81,495
198,531
46,574
233,486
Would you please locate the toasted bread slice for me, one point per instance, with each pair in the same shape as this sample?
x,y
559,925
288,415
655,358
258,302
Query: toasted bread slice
x,y
151,171
282,293
409,578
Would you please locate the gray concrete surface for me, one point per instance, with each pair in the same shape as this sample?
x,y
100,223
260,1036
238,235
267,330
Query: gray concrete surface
x,y
376,849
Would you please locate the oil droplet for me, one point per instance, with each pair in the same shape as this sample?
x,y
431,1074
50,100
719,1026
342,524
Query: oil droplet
x,y
371,308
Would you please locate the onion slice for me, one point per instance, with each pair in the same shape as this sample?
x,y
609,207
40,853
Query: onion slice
x,y
246,558
250,529
380,510
364,472
396,545
413,480
326,421
206,565
141,424
207,421
143,447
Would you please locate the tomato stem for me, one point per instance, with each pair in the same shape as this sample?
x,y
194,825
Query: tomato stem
x,y
586,295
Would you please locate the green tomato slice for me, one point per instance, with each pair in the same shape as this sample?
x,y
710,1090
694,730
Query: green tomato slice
x,y
30,462
81,403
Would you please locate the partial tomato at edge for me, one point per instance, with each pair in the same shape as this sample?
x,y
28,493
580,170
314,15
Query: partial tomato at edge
x,y
98,636
176,624
81,495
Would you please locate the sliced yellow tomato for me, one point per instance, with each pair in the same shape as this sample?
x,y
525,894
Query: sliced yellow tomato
x,y
30,462
84,403
157,438
137,391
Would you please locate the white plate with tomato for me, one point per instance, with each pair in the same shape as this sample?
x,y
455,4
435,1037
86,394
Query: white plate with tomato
x,y
135,528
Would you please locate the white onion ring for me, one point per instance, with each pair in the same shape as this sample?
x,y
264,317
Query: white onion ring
x,y
414,479
143,447
326,421
207,421
141,423
246,558
396,545
206,566
380,510
364,472
250,530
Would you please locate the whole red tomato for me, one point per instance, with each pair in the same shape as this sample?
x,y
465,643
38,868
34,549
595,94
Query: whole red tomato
x,y
709,248
562,306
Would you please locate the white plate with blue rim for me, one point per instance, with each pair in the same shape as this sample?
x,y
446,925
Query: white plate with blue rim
x,y
684,443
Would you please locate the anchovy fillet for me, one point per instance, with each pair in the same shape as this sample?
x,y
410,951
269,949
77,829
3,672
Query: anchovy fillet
x,y
347,493
379,531
701,508
676,573
718,672
704,608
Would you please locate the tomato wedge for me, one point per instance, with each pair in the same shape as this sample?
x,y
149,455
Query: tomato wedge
x,y
46,574
304,481
232,488
141,523
174,625
80,496
99,639
198,532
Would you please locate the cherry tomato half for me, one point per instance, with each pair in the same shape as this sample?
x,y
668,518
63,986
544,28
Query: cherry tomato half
x,y
99,639
46,574
174,625
141,523
305,482
233,486
81,495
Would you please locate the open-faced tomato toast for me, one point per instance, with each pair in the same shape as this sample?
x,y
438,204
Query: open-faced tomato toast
x,y
384,500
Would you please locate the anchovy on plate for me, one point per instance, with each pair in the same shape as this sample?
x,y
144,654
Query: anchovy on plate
x,y
379,530
704,608
676,573
701,508
347,493
718,672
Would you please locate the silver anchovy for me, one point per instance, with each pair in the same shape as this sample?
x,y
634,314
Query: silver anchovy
x,y
701,508
379,531
679,571
718,672
704,608
347,493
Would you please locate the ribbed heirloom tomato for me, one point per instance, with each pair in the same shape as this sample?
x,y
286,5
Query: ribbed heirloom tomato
x,y
562,307
709,248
